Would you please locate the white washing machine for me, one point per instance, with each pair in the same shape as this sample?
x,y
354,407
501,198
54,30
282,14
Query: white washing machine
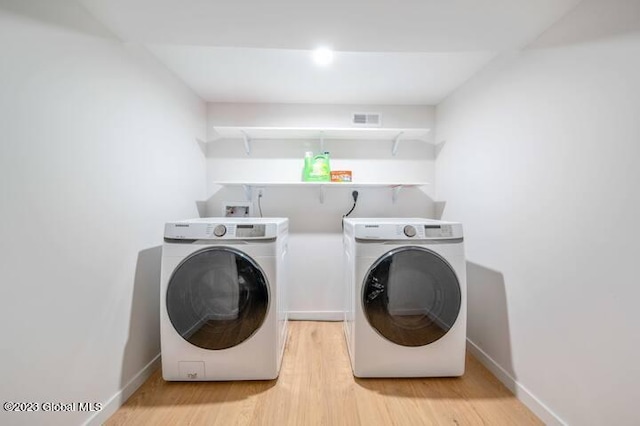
x,y
223,299
406,297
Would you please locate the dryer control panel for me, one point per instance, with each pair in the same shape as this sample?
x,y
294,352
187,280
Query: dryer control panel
x,y
408,231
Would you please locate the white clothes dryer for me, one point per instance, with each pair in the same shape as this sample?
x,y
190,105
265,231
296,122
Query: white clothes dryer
x,y
223,299
406,297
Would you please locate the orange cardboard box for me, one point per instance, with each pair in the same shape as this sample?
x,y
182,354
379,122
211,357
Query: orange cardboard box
x,y
340,175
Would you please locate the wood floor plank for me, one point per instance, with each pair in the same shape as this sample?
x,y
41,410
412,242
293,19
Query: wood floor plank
x,y
316,387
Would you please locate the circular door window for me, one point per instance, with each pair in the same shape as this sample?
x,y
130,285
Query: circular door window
x,y
217,298
411,296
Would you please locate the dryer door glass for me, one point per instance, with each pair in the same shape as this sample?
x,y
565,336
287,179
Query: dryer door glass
x,y
411,296
217,298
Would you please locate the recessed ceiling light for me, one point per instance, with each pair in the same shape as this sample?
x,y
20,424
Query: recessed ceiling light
x,y
323,56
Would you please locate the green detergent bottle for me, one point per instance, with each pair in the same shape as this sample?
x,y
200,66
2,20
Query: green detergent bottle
x,y
320,168
308,163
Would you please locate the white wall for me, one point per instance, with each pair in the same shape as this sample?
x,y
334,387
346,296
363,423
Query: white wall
x,y
316,234
539,162
97,151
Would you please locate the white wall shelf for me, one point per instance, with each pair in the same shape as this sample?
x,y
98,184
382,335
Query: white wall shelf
x,y
395,187
248,134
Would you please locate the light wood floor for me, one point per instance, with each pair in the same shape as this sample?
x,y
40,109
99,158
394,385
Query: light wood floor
x,y
316,387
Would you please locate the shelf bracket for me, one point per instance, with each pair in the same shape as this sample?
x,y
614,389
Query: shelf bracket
x,y
247,142
396,142
202,144
394,193
248,192
321,193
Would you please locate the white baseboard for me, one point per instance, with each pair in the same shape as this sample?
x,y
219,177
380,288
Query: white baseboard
x,y
116,401
316,315
523,394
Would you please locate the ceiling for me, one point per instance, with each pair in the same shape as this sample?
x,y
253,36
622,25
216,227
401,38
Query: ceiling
x,y
387,52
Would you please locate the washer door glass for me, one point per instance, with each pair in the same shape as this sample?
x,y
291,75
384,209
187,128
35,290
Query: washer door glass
x,y
217,298
411,296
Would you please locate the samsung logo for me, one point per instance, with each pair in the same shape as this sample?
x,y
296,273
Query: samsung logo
x,y
179,225
372,226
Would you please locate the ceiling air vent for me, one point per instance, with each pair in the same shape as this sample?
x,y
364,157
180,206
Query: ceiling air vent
x,y
367,119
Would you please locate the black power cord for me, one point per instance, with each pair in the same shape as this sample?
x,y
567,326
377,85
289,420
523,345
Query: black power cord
x,y
354,194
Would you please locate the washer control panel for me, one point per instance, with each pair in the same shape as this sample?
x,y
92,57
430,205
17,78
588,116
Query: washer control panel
x,y
219,231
